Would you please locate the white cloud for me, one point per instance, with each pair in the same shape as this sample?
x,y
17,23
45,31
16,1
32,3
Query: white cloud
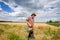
x,y
0,0
4,16
0,8
19,18
40,13
18,10
42,9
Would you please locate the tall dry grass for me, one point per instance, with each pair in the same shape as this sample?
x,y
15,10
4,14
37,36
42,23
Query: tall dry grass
x,y
16,31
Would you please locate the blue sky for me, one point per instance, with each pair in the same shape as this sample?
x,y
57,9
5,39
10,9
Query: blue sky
x,y
5,7
19,10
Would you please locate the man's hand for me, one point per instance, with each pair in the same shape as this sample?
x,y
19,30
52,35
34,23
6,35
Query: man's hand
x,y
29,24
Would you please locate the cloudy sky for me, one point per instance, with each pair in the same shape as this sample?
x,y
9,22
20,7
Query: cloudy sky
x,y
19,10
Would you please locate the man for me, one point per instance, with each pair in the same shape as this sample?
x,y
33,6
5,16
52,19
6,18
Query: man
x,y
30,24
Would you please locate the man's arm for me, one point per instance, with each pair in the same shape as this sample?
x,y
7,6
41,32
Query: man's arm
x,y
27,21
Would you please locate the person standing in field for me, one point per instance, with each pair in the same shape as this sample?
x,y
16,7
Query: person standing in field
x,y
30,24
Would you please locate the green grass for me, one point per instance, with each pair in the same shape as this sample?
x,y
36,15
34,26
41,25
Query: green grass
x,y
13,36
49,32
56,35
1,31
54,23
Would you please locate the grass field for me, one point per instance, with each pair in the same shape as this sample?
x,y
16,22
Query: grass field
x,y
16,31
54,23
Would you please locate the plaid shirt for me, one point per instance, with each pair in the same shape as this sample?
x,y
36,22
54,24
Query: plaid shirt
x,y
31,21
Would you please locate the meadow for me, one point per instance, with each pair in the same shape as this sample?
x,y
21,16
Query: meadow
x,y
54,23
16,31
